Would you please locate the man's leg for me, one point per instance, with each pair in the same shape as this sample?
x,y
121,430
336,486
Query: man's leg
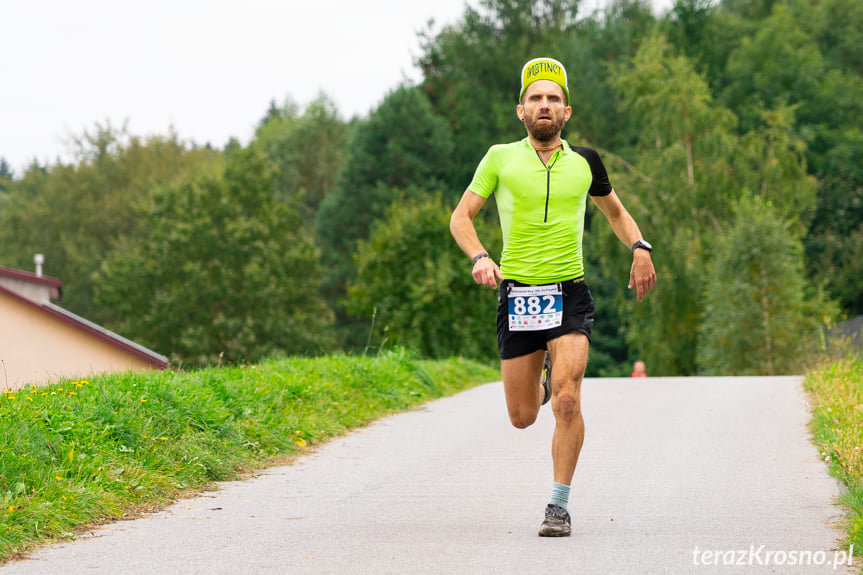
x,y
522,387
568,360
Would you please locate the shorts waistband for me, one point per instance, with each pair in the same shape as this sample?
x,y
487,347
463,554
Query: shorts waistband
x,y
564,283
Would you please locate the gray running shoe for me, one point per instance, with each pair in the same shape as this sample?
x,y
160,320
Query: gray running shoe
x,y
546,379
557,522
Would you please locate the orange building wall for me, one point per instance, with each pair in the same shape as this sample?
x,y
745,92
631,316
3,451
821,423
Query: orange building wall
x,y
38,348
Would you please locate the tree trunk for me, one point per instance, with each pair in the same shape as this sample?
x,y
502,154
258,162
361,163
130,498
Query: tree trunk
x,y
765,310
687,144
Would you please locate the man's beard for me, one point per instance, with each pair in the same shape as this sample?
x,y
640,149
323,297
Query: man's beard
x,y
547,131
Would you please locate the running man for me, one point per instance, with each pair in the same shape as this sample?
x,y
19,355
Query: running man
x,y
542,184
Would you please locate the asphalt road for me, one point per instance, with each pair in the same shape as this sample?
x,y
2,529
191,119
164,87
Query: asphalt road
x,y
674,473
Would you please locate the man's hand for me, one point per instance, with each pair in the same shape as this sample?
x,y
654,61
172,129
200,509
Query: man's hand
x,y
642,276
486,273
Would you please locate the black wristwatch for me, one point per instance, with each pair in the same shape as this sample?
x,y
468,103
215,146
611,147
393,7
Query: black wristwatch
x,y
643,245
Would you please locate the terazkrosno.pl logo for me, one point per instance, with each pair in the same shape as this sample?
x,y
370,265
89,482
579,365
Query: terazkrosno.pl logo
x,y
763,556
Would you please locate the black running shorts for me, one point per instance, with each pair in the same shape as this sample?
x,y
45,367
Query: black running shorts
x,y
577,316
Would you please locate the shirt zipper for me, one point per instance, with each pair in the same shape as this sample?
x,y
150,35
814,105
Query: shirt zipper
x,y
548,168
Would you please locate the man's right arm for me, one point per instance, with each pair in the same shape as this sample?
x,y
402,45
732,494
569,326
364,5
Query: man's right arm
x,y
485,270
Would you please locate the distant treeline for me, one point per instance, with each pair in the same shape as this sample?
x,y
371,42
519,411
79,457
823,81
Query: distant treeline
x,y
733,131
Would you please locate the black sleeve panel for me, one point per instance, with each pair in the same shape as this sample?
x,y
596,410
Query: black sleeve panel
x,y
600,185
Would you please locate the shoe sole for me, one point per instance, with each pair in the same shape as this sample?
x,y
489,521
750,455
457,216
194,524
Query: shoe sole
x,y
555,533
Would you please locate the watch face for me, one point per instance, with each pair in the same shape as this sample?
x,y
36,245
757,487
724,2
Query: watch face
x,y
646,244
642,244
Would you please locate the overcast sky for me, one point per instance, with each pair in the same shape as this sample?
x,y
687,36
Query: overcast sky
x,y
209,68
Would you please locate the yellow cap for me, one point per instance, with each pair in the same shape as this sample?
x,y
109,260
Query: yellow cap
x,y
543,69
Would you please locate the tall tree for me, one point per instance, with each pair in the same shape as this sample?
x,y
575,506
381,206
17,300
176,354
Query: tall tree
x,y
596,41
750,9
812,68
76,213
677,193
790,75
834,245
308,148
6,177
707,33
759,308
436,308
403,146
838,28
221,270
692,168
771,159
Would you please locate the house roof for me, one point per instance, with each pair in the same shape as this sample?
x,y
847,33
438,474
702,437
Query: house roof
x,y
86,326
30,277
33,278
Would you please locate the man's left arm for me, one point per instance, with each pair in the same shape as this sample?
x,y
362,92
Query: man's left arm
x,y
642,276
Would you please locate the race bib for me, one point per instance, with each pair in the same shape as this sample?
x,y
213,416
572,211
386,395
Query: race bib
x,y
535,308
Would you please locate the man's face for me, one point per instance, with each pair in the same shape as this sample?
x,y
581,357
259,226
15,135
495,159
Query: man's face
x,y
543,110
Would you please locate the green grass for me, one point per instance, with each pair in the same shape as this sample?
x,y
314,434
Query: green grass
x,y
836,394
91,451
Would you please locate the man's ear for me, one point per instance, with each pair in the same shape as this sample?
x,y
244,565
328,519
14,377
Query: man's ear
x,y
519,111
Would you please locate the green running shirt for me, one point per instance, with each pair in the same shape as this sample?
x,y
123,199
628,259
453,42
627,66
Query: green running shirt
x,y
541,207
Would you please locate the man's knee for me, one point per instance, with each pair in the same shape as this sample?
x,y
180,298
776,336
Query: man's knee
x,y
566,406
522,418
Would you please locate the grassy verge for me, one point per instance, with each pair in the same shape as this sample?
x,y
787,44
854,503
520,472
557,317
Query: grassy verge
x,y
836,393
91,451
